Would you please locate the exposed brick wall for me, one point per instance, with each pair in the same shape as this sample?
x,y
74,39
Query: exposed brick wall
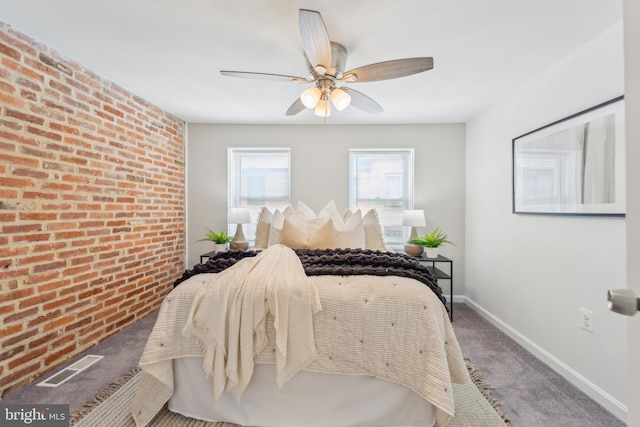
x,y
91,208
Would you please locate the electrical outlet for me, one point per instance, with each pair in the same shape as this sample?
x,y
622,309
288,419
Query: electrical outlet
x,y
586,319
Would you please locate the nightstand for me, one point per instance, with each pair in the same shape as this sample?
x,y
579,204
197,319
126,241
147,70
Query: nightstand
x,y
207,255
433,265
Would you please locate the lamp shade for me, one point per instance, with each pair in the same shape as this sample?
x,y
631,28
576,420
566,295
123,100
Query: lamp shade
x,y
310,97
239,216
413,218
323,109
340,98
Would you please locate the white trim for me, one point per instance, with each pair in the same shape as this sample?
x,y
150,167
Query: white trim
x,y
457,298
610,403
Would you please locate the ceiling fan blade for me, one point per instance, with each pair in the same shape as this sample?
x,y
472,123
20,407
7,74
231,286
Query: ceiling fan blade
x,y
388,70
315,38
263,76
295,108
362,101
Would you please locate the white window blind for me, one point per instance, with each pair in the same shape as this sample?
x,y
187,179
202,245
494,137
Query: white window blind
x,y
258,177
382,179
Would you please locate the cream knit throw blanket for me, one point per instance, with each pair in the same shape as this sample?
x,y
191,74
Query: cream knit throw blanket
x,y
232,334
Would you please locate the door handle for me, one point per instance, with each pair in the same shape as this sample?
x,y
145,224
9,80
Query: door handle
x,y
623,301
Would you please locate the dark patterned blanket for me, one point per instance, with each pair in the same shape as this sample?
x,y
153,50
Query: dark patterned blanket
x,y
335,262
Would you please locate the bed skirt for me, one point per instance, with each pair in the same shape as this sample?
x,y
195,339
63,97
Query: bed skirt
x,y
308,399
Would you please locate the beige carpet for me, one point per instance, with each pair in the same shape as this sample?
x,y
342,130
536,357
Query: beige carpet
x,y
110,408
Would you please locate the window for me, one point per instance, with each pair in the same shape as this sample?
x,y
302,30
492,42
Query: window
x,y
382,179
258,177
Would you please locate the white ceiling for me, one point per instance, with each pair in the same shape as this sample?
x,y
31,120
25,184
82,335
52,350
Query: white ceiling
x,y
170,52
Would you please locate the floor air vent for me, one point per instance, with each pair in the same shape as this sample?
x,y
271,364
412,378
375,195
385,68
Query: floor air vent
x,y
70,371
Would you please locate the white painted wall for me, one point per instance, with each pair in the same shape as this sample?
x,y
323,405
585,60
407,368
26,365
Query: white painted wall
x,y
531,274
320,168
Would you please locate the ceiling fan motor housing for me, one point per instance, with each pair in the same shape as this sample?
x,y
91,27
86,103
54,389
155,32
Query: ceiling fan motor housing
x,y
338,64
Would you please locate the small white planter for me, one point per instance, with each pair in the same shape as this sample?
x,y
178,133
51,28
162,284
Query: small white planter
x,y
220,247
432,252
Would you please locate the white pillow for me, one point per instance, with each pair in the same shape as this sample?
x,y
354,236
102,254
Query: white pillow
x,y
275,231
262,228
373,232
331,211
352,234
305,210
294,235
322,234
316,233
288,211
328,230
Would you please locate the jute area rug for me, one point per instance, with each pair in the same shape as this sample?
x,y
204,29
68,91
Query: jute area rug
x,y
110,408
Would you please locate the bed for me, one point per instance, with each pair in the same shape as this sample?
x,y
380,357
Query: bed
x,y
367,340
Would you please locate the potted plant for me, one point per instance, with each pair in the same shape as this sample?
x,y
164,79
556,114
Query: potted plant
x,y
220,239
432,241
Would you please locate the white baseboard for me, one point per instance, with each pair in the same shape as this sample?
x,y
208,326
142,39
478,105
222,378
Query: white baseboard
x,y
457,298
613,405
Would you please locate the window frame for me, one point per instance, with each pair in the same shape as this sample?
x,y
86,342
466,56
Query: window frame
x,y
408,184
234,186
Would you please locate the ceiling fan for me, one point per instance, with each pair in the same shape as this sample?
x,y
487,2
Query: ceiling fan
x,y
326,61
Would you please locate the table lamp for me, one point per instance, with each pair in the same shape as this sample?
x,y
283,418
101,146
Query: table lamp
x,y
239,216
413,218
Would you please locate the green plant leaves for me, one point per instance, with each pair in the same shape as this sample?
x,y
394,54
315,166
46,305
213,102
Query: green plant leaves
x,y
215,237
432,240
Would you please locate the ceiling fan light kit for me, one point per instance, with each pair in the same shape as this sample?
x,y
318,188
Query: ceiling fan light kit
x,y
323,109
317,97
326,61
340,99
310,97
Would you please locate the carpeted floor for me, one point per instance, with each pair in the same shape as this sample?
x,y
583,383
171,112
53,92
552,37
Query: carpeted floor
x,y
533,394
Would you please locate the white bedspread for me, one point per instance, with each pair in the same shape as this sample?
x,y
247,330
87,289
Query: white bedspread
x,y
392,328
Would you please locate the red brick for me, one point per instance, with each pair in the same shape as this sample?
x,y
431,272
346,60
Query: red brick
x,y
27,357
24,117
34,279
19,315
38,216
20,376
44,318
60,302
59,322
7,99
43,339
57,186
9,88
39,195
44,133
10,52
15,182
18,160
60,354
49,266
79,158
26,228
54,84
29,84
32,237
38,299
